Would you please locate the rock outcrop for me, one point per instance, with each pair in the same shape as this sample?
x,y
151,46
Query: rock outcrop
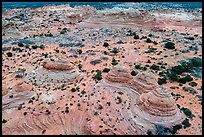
x,y
142,82
59,71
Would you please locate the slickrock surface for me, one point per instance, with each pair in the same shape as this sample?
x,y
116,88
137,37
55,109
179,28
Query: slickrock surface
x,y
79,70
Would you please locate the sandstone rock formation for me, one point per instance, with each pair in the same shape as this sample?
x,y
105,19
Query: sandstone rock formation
x,y
142,82
159,103
154,103
58,71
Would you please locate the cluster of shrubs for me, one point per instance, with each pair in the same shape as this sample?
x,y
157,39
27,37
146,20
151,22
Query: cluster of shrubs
x,y
115,50
161,130
63,31
140,67
151,50
169,45
187,112
174,72
98,75
106,70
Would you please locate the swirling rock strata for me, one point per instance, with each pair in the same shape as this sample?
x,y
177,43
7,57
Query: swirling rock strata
x,y
154,103
55,72
142,82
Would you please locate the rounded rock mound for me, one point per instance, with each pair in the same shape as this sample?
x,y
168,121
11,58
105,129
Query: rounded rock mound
x,y
58,71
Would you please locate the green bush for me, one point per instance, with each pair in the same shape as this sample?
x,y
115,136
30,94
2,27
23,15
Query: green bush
x,y
149,132
136,37
105,44
4,121
34,46
149,40
186,123
138,67
79,51
169,45
100,106
20,44
196,62
9,54
187,112
175,128
172,76
115,50
192,84
106,70
154,67
185,79
162,81
73,90
133,73
98,76
20,106
114,62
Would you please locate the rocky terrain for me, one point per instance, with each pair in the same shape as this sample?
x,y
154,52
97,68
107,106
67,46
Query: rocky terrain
x,y
79,70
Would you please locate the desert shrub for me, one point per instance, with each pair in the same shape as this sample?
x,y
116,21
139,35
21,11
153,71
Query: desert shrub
x,y
114,62
155,43
83,92
185,79
20,44
105,44
187,112
186,123
73,90
20,106
9,54
49,35
119,100
106,70
151,50
4,121
63,31
172,76
175,128
108,103
149,132
150,35
98,76
80,66
79,51
42,46
162,81
161,130
179,69
100,106
149,40
192,84
196,62
133,73
115,50
34,46
190,38
169,45
154,67
137,66
136,37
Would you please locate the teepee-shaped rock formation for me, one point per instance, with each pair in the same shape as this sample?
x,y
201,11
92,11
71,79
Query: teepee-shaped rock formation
x,y
58,71
119,74
155,103
160,104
